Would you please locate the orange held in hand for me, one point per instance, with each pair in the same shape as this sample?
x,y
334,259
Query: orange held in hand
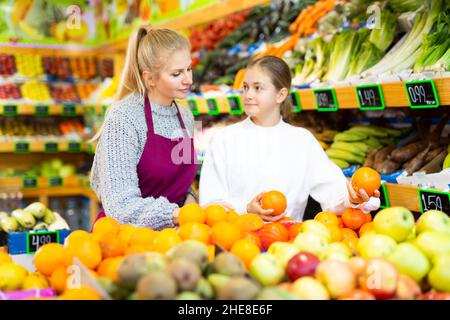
x,y
367,179
274,200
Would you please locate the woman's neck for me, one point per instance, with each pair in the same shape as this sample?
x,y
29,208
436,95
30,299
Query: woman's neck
x,y
159,99
268,120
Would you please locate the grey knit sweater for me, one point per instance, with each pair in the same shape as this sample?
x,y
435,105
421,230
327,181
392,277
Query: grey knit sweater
x,y
114,176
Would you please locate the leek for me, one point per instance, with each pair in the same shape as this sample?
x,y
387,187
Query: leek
x,y
383,36
406,5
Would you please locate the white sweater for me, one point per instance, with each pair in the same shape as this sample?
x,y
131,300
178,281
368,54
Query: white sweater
x,y
245,159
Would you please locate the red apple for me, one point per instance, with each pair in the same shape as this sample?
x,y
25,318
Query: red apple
x,y
380,278
407,288
302,264
358,294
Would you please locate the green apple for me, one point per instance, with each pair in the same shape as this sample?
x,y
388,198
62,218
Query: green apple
x,y
267,269
337,251
317,228
409,260
312,243
308,288
433,243
337,276
375,246
439,276
433,221
395,222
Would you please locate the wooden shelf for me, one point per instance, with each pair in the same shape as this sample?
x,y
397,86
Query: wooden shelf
x,y
76,181
403,196
202,15
53,110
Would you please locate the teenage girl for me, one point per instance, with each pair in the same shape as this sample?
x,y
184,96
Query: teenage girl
x,y
264,153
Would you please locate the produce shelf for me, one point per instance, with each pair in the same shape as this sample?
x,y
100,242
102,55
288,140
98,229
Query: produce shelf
x,y
203,15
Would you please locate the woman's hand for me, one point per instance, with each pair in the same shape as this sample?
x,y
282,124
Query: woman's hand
x,y
360,196
255,207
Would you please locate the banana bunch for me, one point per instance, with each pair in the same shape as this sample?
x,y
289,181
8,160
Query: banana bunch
x,y
325,138
353,146
36,216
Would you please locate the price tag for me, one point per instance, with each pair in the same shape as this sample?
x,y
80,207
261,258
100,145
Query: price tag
x,y
370,97
235,104
29,182
90,148
213,108
192,103
295,100
55,181
41,111
35,240
74,147
325,99
10,110
384,199
51,147
422,94
22,147
434,200
69,110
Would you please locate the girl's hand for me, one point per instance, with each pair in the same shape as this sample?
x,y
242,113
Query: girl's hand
x,y
175,215
359,196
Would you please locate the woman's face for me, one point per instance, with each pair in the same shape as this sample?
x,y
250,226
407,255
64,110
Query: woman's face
x,y
260,97
175,79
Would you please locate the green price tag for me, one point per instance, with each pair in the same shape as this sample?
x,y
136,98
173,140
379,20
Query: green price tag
x,y
213,107
326,99
235,104
384,199
74,147
192,103
69,110
295,100
90,148
370,97
22,147
35,240
422,94
9,110
29,182
41,111
55,181
434,200
51,147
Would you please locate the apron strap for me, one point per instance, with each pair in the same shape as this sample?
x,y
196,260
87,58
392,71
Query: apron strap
x,y
180,118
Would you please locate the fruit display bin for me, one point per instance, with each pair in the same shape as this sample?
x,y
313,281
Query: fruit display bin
x,y
27,242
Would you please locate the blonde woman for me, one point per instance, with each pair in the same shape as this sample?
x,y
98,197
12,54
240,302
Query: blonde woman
x,y
139,173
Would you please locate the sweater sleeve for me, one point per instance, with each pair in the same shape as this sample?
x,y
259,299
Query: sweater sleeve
x,y
118,186
213,184
328,184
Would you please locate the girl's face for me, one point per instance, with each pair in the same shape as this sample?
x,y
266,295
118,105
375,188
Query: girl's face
x,y
261,98
175,79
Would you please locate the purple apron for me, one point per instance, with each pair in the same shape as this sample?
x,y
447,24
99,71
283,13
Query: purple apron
x,y
159,175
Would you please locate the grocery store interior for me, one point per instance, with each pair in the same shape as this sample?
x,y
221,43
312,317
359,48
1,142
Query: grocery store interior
x,y
370,81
